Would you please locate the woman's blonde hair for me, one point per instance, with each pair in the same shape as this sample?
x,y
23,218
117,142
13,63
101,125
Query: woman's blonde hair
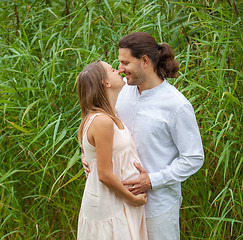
x,y
91,93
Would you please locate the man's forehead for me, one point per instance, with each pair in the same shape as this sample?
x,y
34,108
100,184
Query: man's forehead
x,y
124,53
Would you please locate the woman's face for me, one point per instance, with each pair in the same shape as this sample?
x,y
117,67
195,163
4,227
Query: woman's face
x,y
114,79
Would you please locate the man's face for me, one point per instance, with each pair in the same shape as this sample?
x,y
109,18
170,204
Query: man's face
x,y
131,66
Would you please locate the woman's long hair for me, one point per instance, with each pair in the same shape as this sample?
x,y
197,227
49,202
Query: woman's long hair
x,y
91,93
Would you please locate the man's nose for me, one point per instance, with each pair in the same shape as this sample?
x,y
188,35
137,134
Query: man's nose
x,y
121,69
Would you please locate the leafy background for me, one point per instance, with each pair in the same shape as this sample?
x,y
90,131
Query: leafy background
x,y
43,47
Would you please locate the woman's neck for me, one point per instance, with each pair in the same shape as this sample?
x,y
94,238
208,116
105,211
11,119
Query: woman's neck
x,y
112,98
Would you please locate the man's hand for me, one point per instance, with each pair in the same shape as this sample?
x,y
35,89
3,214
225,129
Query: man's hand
x,y
85,163
140,184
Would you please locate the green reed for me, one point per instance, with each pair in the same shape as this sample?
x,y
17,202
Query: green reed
x,y
45,44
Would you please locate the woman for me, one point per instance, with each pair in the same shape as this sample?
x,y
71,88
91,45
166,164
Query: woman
x,y
108,209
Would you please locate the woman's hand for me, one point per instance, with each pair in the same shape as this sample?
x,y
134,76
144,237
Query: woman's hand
x,y
139,200
141,184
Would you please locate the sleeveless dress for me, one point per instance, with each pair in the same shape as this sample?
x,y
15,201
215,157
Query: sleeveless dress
x,y
103,214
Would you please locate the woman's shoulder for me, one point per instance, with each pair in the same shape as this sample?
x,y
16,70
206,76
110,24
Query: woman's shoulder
x,y
102,121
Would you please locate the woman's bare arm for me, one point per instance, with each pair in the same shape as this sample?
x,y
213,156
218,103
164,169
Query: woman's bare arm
x,y
102,132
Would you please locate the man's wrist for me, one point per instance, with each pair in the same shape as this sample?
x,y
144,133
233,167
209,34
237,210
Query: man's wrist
x,y
149,185
155,180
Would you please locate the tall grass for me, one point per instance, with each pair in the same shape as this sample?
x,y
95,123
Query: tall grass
x,y
45,44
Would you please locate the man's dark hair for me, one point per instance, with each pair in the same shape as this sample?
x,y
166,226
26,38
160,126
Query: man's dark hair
x,y
162,56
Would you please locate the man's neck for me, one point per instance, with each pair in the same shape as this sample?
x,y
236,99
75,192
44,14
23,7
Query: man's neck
x,y
150,82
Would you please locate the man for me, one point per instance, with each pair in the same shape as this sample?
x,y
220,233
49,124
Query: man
x,y
164,128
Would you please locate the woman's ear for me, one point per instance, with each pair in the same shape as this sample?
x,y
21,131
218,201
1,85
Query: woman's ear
x,y
106,84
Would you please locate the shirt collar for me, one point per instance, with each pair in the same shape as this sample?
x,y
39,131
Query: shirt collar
x,y
151,91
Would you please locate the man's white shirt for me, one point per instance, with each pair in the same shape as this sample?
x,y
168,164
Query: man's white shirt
x,y
167,139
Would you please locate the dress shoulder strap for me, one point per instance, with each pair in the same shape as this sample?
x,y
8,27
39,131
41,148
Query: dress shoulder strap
x,y
89,122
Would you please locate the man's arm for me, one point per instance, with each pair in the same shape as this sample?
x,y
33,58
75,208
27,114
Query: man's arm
x,y
186,136
85,163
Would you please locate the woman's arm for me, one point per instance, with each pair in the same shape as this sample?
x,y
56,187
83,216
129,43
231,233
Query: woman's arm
x,y
102,132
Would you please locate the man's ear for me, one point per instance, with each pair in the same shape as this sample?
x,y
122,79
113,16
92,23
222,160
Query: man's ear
x,y
145,60
106,84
